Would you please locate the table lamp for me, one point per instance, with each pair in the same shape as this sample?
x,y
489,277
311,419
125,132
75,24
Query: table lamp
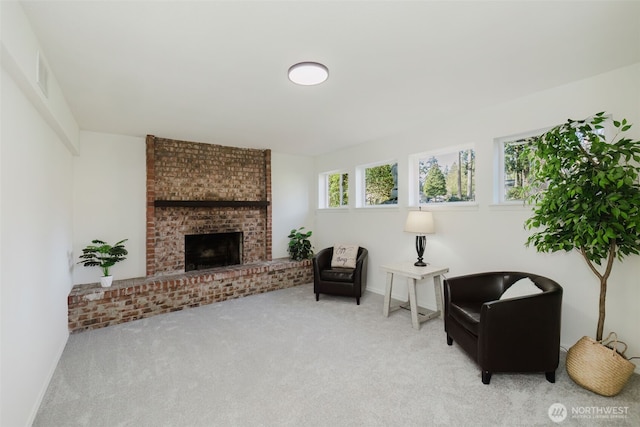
x,y
421,223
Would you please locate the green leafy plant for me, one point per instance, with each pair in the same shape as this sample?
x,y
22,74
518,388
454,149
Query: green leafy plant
x,y
299,245
379,184
103,255
588,196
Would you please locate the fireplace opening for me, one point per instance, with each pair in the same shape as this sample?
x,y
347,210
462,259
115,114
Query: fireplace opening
x,y
202,251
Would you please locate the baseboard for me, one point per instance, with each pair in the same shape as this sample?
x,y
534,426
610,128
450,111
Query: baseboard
x,y
45,386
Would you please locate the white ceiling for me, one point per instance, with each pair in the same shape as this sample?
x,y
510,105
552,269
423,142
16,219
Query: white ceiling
x,y
215,71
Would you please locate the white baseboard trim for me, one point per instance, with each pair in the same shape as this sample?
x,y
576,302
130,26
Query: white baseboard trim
x,y
45,386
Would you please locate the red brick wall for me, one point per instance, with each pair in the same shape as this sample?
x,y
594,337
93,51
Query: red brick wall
x,y
174,222
151,215
93,307
183,170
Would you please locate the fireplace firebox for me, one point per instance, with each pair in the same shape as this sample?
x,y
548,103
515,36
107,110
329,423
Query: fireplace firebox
x,y
203,251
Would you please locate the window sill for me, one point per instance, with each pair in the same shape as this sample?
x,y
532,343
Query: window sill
x,y
341,209
377,207
455,206
510,206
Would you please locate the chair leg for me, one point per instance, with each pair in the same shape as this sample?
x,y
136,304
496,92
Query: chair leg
x,y
449,340
358,300
317,297
486,377
551,376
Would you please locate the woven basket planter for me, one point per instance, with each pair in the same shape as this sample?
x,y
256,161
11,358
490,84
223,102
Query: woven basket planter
x,y
595,366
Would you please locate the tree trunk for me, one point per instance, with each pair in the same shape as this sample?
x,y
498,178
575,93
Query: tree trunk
x,y
603,284
602,307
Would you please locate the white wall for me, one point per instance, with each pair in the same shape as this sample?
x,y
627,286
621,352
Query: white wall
x,y
37,138
489,237
292,181
110,201
36,227
20,50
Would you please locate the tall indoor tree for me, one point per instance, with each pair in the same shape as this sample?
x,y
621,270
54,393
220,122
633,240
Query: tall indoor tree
x,y
587,194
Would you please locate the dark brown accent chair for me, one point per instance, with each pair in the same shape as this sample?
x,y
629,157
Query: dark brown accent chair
x,y
349,282
519,334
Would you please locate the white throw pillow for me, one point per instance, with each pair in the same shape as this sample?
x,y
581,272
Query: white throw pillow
x,y
344,256
521,288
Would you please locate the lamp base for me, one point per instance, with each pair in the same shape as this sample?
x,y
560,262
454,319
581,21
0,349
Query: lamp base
x,y
421,242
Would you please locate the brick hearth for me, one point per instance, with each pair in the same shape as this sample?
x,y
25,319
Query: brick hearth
x,y
93,307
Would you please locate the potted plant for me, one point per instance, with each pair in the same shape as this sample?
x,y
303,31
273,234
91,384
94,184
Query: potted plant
x,y
299,245
103,255
587,199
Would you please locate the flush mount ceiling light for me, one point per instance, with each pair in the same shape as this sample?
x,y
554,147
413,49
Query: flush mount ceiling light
x,y
308,73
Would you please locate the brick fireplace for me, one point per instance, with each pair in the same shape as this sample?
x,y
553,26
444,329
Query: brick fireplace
x,y
195,189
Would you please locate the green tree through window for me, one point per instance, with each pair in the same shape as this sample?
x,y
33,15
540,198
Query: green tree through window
x,y
435,183
338,190
447,177
516,170
380,185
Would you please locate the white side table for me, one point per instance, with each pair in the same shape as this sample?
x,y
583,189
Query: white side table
x,y
413,273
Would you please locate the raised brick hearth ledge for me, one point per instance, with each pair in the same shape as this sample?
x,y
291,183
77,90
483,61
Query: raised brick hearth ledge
x,y
92,306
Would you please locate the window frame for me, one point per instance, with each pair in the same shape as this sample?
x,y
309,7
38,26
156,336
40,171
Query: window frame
x,y
323,189
499,179
414,176
360,184
499,175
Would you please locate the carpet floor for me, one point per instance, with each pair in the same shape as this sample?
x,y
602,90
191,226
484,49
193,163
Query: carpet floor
x,y
283,359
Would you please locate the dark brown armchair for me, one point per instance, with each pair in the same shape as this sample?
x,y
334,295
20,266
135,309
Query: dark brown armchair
x,y
520,334
350,282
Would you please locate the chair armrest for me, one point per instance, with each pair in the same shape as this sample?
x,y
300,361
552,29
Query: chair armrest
x,y
362,257
322,259
525,325
360,274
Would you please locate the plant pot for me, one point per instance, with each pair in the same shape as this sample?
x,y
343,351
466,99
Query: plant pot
x,y
105,281
598,366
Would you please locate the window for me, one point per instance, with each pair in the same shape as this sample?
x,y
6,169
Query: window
x,y
378,184
513,174
515,170
447,176
338,190
334,190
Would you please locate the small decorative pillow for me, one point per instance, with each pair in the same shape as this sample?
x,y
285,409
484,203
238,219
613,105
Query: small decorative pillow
x,y
521,288
344,256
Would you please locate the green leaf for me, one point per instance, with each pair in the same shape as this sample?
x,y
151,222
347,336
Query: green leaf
x,y
590,197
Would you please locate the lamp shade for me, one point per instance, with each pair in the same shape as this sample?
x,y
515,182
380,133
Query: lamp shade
x,y
419,222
